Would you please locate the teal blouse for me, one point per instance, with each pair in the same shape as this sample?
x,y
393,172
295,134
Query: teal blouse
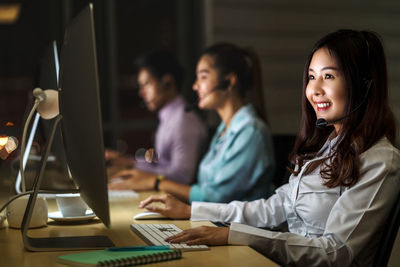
x,y
240,164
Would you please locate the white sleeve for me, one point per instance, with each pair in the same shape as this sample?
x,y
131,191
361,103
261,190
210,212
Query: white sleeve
x,y
352,228
259,213
291,249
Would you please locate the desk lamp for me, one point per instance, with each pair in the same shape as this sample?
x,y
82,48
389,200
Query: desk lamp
x,y
46,104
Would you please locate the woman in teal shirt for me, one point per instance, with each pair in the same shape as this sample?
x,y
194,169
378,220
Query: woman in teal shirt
x,y
239,164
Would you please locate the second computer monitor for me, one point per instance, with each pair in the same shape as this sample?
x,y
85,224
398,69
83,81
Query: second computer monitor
x,y
80,108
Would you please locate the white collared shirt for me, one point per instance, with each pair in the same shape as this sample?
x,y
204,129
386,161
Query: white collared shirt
x,y
328,226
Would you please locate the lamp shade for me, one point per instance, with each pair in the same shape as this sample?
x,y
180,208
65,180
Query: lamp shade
x,y
48,107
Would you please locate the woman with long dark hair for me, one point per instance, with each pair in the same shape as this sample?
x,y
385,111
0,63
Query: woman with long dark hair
x,y
346,176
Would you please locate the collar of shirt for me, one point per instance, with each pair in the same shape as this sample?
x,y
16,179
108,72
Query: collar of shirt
x,y
170,108
324,152
329,145
242,116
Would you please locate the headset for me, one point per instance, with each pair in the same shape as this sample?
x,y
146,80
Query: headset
x,y
222,85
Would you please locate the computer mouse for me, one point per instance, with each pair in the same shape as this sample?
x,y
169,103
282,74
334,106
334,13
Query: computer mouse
x,y
149,215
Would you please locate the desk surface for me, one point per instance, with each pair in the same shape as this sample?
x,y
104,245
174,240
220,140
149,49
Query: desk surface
x,y
12,252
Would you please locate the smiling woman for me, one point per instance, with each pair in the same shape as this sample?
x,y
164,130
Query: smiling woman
x,y
326,87
346,176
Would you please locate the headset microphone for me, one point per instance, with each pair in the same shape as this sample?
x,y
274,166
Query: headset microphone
x,y
222,85
322,123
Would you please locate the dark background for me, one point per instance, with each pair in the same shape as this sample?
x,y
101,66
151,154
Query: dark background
x,y
124,30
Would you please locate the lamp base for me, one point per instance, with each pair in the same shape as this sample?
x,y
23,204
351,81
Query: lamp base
x,y
16,210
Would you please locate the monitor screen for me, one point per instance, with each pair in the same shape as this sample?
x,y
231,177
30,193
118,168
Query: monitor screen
x,y
49,69
56,176
81,114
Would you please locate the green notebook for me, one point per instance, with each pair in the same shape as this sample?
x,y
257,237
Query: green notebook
x,y
118,258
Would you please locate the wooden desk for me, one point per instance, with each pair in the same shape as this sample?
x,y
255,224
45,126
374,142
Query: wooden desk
x,y
13,253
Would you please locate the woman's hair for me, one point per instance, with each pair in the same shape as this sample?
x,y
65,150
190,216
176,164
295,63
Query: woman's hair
x,y
245,64
160,63
362,62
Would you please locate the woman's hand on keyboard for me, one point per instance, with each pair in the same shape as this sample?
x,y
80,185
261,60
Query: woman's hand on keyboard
x,y
173,207
203,235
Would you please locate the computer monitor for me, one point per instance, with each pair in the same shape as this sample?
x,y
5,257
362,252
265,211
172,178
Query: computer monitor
x,y
80,117
80,108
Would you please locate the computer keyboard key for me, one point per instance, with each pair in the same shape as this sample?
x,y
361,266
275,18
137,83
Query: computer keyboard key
x,y
115,195
155,234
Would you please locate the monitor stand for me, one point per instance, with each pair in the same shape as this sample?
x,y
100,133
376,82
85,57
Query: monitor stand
x,y
55,243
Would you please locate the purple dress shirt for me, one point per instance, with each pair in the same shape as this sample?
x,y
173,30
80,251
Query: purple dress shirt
x,y
180,142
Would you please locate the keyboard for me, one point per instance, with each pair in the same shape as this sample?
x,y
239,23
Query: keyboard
x,y
121,194
154,235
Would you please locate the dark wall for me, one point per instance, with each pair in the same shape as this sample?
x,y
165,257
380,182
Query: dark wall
x,y
124,30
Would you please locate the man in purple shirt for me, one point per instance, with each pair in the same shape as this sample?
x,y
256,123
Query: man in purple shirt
x,y
181,136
